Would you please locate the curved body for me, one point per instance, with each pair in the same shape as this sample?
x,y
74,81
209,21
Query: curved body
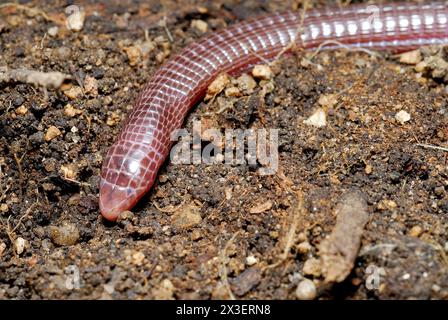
x,y
131,164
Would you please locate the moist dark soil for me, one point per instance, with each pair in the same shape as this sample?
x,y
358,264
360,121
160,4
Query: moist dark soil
x,y
214,231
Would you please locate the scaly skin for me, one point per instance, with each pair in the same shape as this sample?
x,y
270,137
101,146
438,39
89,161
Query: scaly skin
x,y
131,164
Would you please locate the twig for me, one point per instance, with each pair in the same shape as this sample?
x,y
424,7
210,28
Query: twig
x,y
11,232
19,167
37,78
290,238
162,23
323,44
223,257
32,11
296,35
429,146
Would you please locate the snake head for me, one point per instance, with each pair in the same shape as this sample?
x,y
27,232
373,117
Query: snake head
x,y
128,172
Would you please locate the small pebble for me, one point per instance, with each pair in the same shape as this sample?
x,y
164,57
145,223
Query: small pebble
x,y
199,25
411,57
4,208
317,119
52,132
439,191
233,92
53,31
125,216
74,92
20,245
65,235
187,217
312,267
402,116
22,110
91,86
71,111
246,82
75,21
138,258
251,260
263,72
415,231
196,235
306,290
435,287
304,247
217,85
164,291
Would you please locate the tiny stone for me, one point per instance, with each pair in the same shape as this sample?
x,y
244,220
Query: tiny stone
x,y
262,72
304,247
125,216
233,92
434,287
4,208
317,119
440,190
415,231
53,31
251,260
138,258
164,291
22,110
74,92
199,25
306,290
71,111
246,82
217,85
196,235
187,217
75,21
91,86
312,267
52,133
20,245
411,57
402,116
65,235
301,237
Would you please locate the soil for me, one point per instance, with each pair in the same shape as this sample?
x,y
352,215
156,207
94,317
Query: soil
x,y
214,231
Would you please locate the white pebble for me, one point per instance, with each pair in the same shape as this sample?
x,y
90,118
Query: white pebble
x,y
20,245
53,31
317,119
251,260
262,72
402,116
306,290
75,21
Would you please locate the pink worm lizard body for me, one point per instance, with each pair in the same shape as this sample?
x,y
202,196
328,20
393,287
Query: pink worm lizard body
x,y
131,164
